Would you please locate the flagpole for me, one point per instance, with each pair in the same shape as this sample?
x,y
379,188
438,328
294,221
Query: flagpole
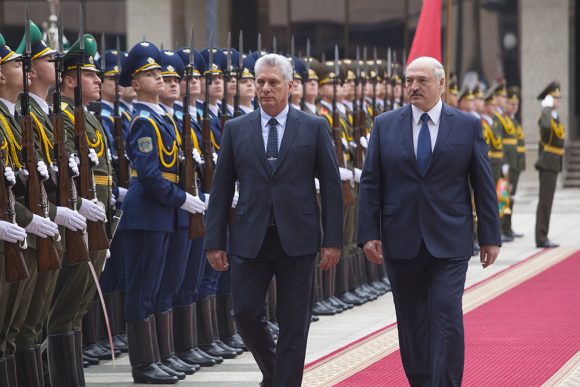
x,y
447,43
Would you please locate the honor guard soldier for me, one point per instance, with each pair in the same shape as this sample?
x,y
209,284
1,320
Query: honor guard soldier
x,y
511,155
112,279
248,86
216,89
453,91
76,288
466,100
492,133
16,292
310,80
549,164
150,210
298,87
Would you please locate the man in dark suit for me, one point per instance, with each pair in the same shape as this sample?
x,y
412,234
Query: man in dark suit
x,y
275,153
415,211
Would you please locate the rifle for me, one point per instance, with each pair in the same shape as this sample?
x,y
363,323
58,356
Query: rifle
x,y
36,199
76,244
196,224
393,77
98,239
305,81
358,116
122,165
227,77
388,80
14,263
347,195
375,79
206,126
239,72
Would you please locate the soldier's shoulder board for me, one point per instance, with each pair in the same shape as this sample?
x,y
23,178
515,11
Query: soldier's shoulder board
x,y
106,113
179,115
144,114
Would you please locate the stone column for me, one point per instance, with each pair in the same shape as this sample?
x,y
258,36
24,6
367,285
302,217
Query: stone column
x,y
545,55
152,19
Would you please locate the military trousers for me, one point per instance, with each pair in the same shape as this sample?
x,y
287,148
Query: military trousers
x,y
188,292
548,181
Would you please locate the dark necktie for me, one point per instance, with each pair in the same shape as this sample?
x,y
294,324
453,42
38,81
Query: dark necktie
x,y
272,144
424,144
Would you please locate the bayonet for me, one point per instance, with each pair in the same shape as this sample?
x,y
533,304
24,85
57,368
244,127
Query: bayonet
x,y
274,45
241,49
259,45
191,56
229,52
103,59
389,63
239,72
60,47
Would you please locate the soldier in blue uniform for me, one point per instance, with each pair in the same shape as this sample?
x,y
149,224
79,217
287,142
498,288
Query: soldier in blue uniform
x,y
216,89
150,210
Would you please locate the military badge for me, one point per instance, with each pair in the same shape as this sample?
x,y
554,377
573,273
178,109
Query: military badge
x,y
145,144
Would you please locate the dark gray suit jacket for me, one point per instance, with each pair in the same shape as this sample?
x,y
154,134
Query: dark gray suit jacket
x,y
306,152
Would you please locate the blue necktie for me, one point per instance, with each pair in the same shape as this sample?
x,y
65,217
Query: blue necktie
x,y
424,144
272,144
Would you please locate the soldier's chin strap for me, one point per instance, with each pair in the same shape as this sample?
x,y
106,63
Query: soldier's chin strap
x,y
104,307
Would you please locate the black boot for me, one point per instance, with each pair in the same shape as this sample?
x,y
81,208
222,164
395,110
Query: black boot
x,y
215,327
92,349
183,341
157,353
206,334
39,364
79,357
144,366
3,372
164,328
26,368
119,298
226,324
11,371
62,360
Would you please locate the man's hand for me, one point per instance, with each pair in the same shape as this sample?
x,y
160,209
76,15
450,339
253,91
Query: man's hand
x,y
488,254
218,259
374,251
329,257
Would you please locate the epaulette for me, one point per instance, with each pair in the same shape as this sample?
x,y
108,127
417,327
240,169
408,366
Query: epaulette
x,y
106,113
144,114
63,105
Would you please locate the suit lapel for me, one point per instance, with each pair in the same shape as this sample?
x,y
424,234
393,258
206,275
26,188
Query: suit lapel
x,y
445,125
406,123
288,138
258,140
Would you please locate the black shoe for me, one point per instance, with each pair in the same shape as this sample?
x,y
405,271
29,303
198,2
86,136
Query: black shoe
x,y
516,234
547,245
273,327
358,292
323,310
194,358
371,291
379,287
86,364
237,351
176,364
119,344
344,305
170,371
200,352
98,351
235,341
507,238
350,298
314,318
214,349
90,360
335,304
152,374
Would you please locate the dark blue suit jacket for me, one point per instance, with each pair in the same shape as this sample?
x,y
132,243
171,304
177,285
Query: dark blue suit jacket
x,y
401,207
306,152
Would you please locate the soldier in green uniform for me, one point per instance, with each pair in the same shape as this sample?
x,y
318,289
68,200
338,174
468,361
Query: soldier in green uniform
x,y
453,92
511,155
75,288
492,132
549,164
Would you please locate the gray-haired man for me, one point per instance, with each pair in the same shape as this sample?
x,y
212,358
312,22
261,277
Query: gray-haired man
x,y
275,153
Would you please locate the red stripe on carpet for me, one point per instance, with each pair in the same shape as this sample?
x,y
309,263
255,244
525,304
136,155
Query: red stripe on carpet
x,y
370,335
520,338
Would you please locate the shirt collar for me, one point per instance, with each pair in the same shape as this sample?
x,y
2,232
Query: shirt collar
x,y
476,114
310,106
41,102
11,106
246,109
107,103
155,107
168,109
434,113
214,109
127,106
281,117
348,104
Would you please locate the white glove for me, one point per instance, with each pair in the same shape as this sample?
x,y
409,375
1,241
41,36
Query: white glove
x,y
11,232
9,176
108,254
317,184
92,211
42,170
206,201
54,167
364,143
196,156
113,201
344,143
193,204
235,199
505,168
357,174
548,101
70,219
93,158
214,157
122,194
352,145
73,166
42,227
345,174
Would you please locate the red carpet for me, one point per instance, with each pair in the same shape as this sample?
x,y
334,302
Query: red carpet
x,y
520,338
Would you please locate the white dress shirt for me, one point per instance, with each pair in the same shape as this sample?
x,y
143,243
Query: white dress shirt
x,y
9,105
41,102
434,119
281,118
